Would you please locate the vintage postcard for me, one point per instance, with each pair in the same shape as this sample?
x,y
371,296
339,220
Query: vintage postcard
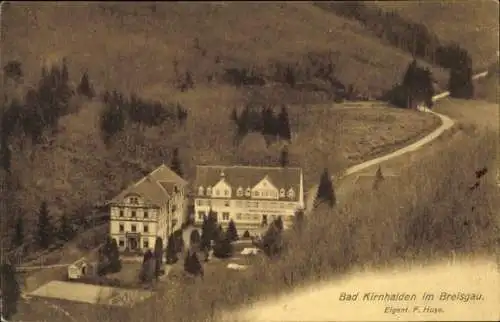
x,y
249,161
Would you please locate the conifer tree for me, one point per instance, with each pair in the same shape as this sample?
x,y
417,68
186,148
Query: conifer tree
x,y
114,257
284,157
158,253
284,125
299,220
232,232
65,232
325,190
10,291
171,252
379,177
18,238
84,88
45,229
223,247
176,163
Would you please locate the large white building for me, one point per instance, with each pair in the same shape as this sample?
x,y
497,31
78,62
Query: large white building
x,y
251,196
152,207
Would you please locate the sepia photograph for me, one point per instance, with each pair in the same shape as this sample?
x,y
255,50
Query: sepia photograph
x,y
247,161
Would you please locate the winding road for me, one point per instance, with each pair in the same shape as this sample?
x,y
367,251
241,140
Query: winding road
x,y
321,302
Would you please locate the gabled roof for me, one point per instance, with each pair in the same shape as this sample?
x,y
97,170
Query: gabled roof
x,y
155,188
248,177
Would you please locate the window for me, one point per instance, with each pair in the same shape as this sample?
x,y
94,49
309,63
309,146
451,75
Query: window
x,y
198,202
255,193
134,200
201,215
209,191
134,214
291,193
239,192
225,216
282,193
121,242
247,193
264,220
146,228
226,192
216,192
122,228
134,228
121,213
226,203
145,243
200,191
146,214
238,216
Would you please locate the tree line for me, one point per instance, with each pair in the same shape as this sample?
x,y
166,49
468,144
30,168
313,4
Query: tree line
x,y
120,109
409,36
266,122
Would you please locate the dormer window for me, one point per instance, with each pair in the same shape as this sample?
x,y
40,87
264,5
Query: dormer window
x,y
255,193
200,191
134,200
239,192
248,192
209,191
291,193
226,192
282,193
216,192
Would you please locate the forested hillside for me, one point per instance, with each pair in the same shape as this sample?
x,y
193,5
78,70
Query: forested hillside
x,y
78,78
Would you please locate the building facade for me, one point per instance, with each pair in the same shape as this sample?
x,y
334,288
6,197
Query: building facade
x,y
152,207
251,196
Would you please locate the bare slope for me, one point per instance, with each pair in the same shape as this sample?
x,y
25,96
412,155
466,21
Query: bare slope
x,y
133,48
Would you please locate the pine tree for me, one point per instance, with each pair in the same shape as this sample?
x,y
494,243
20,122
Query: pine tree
x,y
158,252
460,81
325,190
45,230
379,177
232,232
147,272
176,163
84,88
272,241
279,223
171,253
18,239
10,291
284,157
114,257
195,238
223,247
234,116
284,125
65,232
192,264
299,220
5,153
